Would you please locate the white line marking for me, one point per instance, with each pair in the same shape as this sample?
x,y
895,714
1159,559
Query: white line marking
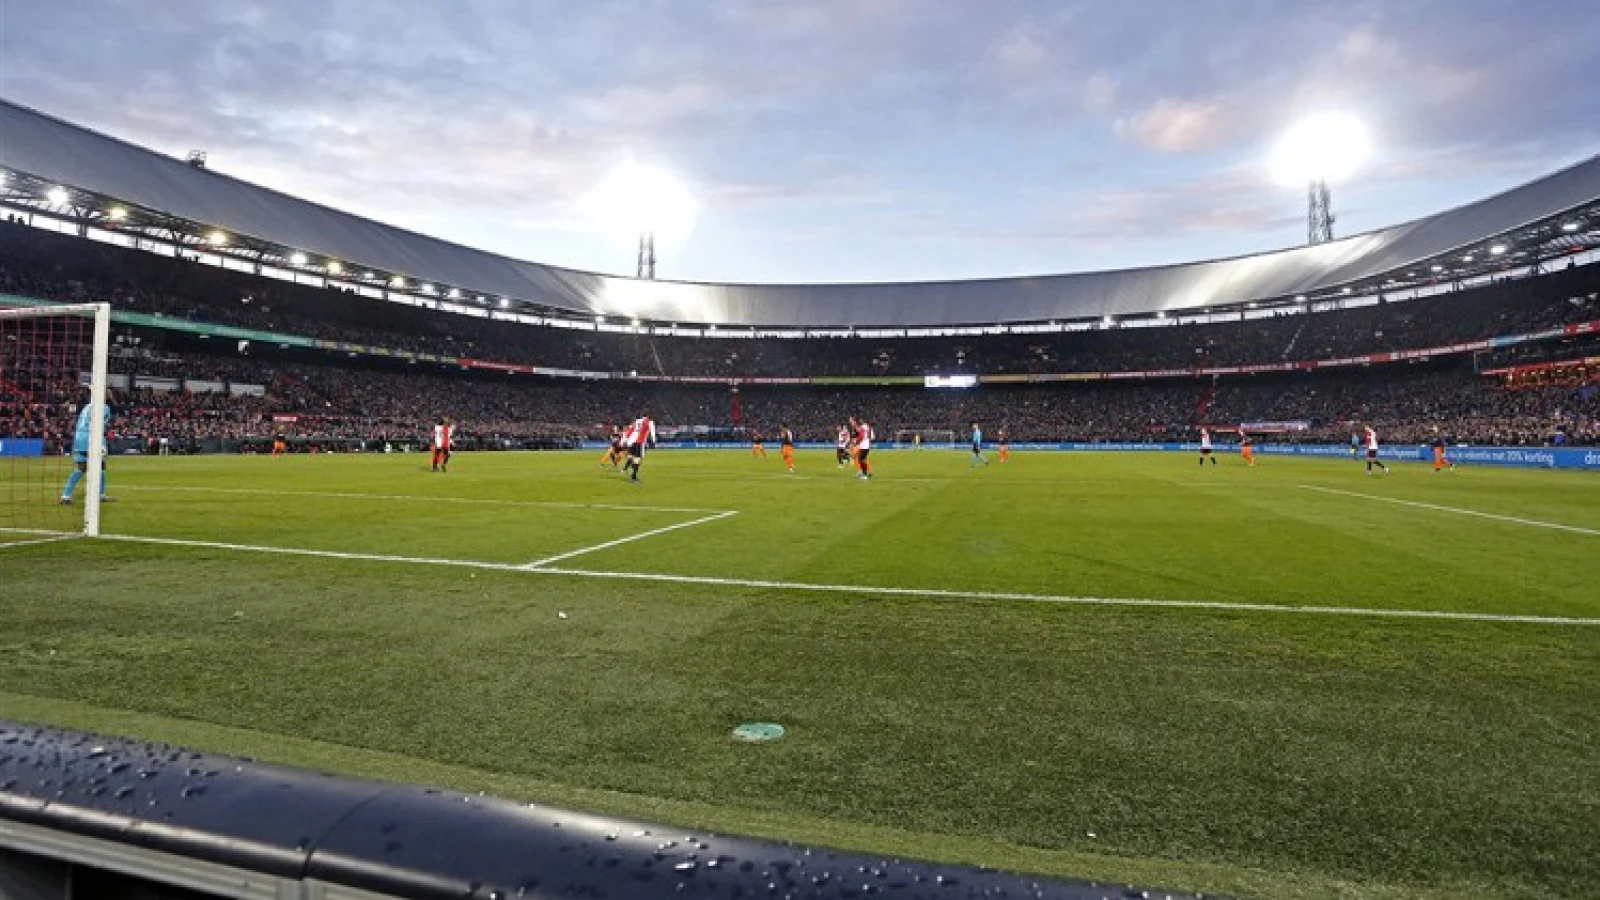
x,y
629,539
420,498
35,541
46,531
1220,606
1451,509
296,551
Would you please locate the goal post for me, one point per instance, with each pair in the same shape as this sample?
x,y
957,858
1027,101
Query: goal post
x,y
935,438
53,373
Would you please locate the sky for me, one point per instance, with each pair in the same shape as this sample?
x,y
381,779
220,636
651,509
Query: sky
x,y
830,140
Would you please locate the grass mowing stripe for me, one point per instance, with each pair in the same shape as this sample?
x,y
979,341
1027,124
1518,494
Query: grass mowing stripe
x,y
873,590
1517,520
629,539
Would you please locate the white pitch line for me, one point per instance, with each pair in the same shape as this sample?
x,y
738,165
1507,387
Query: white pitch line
x,y
298,551
6,545
1517,520
936,593
46,531
420,498
628,540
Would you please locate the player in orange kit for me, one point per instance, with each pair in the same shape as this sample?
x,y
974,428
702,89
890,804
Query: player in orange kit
x,y
1005,446
1247,449
786,440
758,447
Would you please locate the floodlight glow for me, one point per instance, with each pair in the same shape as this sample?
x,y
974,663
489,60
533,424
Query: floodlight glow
x,y
1497,250
504,302
636,323
57,196
1570,226
117,213
455,294
1109,321
1324,147
334,267
397,282
1438,268
217,239
1299,298
638,199
427,289
368,276
599,319
297,259
1344,290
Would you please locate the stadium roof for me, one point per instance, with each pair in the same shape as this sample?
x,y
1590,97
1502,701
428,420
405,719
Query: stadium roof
x,y
188,200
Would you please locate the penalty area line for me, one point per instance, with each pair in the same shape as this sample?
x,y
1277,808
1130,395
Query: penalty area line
x,y
1515,520
33,542
540,563
419,498
872,590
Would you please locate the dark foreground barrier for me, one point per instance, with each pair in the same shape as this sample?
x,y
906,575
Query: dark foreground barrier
x,y
191,825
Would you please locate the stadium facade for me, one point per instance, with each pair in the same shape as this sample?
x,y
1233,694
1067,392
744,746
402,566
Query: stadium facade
x,y
65,170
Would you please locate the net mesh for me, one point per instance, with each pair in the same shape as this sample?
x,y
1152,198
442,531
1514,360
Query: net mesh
x,y
44,364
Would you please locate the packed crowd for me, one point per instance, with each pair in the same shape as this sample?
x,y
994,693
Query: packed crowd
x,y
54,266
307,402
317,396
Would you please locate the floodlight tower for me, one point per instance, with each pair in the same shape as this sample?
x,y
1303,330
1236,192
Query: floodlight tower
x,y
1319,213
647,256
1316,152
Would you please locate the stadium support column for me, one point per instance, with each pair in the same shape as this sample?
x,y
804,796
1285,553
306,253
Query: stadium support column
x,y
1319,213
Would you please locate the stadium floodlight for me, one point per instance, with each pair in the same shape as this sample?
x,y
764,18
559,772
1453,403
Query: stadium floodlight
x,y
367,276
397,282
1569,226
1497,250
1438,268
636,323
1317,151
599,320
117,213
1108,321
641,201
1344,290
334,268
1299,298
57,196
427,288
297,259
1467,258
505,302
217,239
1326,147
455,294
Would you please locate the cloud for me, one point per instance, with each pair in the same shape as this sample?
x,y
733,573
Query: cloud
x,y
1175,126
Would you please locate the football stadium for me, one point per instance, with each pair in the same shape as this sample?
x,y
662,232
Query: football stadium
x,y
1266,576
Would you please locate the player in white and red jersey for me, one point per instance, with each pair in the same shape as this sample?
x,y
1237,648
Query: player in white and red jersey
x,y
1205,447
635,438
841,450
1371,442
444,440
863,441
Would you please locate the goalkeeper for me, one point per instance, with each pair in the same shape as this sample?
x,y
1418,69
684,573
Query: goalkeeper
x,y
80,452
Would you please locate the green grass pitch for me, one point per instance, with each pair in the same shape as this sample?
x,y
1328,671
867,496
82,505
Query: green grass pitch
x,y
995,718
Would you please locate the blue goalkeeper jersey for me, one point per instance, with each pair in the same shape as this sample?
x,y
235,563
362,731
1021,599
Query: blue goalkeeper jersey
x,y
977,437
80,440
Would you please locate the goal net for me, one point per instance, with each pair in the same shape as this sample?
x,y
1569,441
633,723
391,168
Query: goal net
x,y
936,438
52,380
